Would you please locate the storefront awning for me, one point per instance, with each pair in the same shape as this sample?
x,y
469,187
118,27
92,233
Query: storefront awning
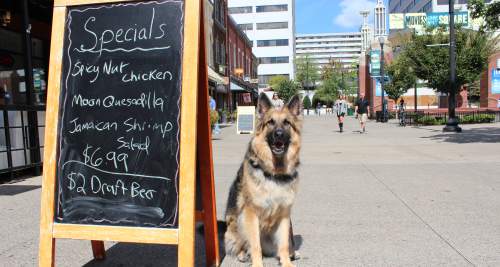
x,y
236,88
214,76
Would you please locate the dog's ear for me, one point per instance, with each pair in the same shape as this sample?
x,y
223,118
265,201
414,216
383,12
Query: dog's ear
x,y
264,105
295,105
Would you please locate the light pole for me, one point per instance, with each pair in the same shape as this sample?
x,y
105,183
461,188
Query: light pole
x,y
381,40
452,124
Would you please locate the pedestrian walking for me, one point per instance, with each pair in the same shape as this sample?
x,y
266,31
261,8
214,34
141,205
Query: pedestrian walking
x,y
362,111
277,102
341,109
402,112
318,109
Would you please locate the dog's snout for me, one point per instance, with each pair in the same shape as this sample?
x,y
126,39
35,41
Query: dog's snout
x,y
279,133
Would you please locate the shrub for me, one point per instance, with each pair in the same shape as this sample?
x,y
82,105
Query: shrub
x,y
430,120
214,117
306,102
479,118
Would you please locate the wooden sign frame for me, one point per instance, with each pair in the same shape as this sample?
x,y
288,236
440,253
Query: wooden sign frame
x,y
195,125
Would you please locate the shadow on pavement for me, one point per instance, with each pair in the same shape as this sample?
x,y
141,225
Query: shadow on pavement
x,y
131,254
11,190
476,135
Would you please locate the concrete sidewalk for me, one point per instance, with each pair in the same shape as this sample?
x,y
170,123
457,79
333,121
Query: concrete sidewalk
x,y
392,197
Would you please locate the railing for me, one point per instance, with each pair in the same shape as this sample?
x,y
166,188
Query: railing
x,y
411,117
22,155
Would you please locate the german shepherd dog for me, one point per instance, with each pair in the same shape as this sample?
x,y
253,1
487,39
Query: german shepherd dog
x,y
261,197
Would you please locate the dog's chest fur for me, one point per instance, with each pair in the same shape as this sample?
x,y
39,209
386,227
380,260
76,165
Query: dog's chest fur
x,y
269,196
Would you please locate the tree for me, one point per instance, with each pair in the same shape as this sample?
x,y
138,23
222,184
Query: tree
x,y
429,58
401,78
490,13
276,80
307,71
286,89
306,102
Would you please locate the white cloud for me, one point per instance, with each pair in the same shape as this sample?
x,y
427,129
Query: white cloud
x,y
349,16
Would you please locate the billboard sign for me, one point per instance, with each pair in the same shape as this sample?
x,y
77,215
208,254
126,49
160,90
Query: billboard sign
x,y
442,18
419,21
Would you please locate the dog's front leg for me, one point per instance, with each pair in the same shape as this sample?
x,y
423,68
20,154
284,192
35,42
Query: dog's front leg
x,y
252,234
283,241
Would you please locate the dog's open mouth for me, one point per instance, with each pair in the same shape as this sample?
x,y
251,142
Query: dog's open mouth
x,y
278,147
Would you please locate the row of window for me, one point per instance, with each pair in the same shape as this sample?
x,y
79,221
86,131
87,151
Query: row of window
x,y
264,79
258,9
274,60
264,26
277,42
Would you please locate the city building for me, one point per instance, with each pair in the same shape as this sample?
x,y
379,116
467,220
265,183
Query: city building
x,y
242,66
380,20
219,89
270,26
344,47
217,77
366,32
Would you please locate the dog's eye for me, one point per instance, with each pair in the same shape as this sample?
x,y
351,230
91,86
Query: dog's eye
x,y
271,122
286,122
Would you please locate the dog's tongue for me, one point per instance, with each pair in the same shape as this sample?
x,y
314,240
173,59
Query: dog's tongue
x,y
279,144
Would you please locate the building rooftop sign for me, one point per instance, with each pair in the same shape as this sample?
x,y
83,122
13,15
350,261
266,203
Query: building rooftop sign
x,y
419,21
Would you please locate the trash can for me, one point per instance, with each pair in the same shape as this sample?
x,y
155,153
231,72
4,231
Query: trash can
x,y
350,111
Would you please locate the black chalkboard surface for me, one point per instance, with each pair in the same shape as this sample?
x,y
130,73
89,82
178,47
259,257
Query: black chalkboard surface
x,y
118,150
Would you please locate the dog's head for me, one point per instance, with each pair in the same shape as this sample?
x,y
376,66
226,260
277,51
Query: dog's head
x,y
279,128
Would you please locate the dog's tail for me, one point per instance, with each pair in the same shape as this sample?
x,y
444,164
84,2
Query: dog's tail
x,y
233,242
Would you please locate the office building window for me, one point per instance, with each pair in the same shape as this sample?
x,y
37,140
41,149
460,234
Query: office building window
x,y
272,8
246,26
278,42
272,25
273,60
240,10
264,79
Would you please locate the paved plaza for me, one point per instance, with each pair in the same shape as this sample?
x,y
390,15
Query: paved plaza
x,y
394,196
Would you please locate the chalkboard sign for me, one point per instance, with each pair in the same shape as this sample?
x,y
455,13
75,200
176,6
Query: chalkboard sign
x,y
118,156
246,119
127,131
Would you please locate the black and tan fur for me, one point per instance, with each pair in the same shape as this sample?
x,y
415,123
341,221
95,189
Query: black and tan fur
x,y
261,197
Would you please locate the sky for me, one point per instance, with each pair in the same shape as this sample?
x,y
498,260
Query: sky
x,y
319,16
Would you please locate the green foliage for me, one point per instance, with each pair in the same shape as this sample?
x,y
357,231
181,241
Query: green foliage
x,y
275,81
490,13
286,89
402,77
306,102
431,63
328,91
307,71
214,117
430,120
477,118
467,119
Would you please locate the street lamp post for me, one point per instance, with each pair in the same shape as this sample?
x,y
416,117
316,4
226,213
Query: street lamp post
x,y
452,124
381,40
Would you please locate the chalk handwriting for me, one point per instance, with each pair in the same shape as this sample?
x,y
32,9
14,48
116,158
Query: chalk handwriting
x,y
110,38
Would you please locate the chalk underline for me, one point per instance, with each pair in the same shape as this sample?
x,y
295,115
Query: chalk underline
x,y
119,49
115,173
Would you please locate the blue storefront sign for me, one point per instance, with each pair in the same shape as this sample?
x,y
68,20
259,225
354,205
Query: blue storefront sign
x,y
442,18
495,81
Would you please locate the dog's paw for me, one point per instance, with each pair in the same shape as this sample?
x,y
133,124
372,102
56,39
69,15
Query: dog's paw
x,y
243,257
287,264
295,256
258,264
